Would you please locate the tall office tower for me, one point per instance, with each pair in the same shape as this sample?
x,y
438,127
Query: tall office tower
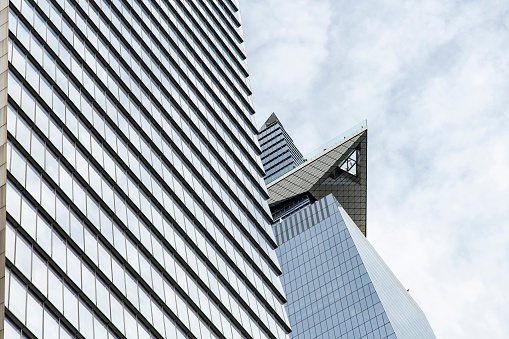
x,y
134,193
279,153
336,284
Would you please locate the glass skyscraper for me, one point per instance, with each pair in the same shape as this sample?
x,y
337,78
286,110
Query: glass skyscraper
x,y
133,200
336,284
279,153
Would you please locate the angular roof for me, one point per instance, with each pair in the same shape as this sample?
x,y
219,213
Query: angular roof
x,y
314,176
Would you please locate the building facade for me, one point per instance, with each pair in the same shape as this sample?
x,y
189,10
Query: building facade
x,y
279,153
133,197
336,284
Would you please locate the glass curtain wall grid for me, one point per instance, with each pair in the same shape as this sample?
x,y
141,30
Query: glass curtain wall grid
x,y
337,285
136,205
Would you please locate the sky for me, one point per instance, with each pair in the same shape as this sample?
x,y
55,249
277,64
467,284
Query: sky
x,y
432,78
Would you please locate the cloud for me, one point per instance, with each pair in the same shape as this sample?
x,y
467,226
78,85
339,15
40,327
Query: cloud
x,y
432,78
289,47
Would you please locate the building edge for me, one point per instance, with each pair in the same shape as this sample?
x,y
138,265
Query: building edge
x,y
4,43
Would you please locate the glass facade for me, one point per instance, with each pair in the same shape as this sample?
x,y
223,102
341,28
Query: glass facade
x,y
136,206
337,286
279,153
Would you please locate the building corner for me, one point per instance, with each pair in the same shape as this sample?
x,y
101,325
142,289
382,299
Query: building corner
x,y
4,43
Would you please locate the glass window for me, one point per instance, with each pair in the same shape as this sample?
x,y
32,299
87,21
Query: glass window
x,y
77,230
28,103
118,275
103,298
28,218
18,165
107,193
59,250
119,240
88,281
46,92
36,47
142,332
106,226
40,273
11,331
52,164
50,325
100,329
69,151
33,185
49,66
158,316
38,150
10,236
17,300
120,208
92,211
23,35
48,198
65,333
116,312
73,267
130,323
91,245
182,310
65,180
56,131
34,315
104,260
131,289
79,195
14,201
14,87
24,256
55,294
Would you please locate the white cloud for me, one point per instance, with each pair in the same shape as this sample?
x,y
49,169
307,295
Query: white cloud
x,y
290,48
432,78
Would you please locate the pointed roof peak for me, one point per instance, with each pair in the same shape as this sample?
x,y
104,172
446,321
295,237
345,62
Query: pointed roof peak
x,y
271,120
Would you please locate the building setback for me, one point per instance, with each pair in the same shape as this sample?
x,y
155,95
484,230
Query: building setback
x,y
132,190
336,284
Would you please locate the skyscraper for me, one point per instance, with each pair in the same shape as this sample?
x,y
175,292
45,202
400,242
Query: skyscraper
x,y
336,284
279,152
134,193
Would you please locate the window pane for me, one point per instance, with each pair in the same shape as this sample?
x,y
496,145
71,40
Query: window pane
x,y
71,306
18,298
86,321
55,294
24,256
33,182
34,315
50,325
18,165
43,234
11,331
40,274
73,267
14,201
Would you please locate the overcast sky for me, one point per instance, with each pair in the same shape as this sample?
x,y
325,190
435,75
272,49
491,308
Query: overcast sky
x,y
432,78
